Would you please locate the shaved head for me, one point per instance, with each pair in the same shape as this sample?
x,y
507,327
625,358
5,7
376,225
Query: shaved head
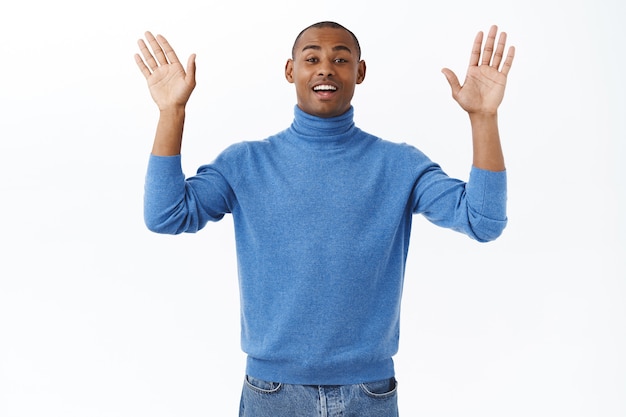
x,y
327,24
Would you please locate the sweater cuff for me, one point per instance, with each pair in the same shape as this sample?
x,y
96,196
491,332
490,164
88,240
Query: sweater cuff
x,y
486,191
164,169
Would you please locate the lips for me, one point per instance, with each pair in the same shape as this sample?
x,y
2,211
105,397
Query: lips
x,y
324,87
324,90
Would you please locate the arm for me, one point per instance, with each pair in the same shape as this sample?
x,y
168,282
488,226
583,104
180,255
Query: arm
x,y
170,87
481,94
476,208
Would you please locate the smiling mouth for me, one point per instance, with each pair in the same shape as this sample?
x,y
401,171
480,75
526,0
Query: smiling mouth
x,y
324,88
324,91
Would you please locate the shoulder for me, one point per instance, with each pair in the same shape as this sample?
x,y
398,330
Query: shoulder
x,y
396,149
401,158
240,151
238,155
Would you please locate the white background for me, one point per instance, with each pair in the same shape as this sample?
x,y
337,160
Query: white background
x,y
100,317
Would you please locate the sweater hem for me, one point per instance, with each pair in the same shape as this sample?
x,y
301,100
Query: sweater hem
x,y
299,373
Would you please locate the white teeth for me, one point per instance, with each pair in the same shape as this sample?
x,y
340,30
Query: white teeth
x,y
324,88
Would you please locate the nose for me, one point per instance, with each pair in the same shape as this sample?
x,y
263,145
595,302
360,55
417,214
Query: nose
x,y
325,69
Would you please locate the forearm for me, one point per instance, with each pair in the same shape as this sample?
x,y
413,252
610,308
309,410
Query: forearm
x,y
169,132
487,149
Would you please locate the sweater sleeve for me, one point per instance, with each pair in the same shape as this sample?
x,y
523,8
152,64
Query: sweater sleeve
x,y
476,208
174,204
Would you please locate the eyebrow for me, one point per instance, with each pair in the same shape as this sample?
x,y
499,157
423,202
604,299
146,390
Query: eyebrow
x,y
335,48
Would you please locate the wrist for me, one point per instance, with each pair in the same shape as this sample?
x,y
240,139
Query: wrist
x,y
483,116
172,110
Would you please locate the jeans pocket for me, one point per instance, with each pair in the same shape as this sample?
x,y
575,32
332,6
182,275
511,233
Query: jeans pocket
x,y
380,389
261,386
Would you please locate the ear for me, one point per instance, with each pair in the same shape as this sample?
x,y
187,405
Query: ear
x,y
360,75
289,70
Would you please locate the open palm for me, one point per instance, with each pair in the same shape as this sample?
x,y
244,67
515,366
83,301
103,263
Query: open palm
x,y
483,88
169,83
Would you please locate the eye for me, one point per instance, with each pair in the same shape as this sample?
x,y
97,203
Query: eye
x,y
312,60
340,61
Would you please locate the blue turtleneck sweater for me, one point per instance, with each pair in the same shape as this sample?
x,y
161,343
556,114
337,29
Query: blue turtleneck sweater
x,y
322,214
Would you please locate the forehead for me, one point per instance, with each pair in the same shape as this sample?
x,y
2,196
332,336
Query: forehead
x,y
325,38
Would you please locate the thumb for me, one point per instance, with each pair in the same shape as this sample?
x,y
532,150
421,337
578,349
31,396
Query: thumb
x,y
453,80
191,69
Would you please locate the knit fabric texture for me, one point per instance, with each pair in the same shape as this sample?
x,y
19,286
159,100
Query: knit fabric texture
x,y
322,214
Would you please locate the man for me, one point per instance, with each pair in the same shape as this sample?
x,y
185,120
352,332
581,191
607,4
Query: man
x,y
322,214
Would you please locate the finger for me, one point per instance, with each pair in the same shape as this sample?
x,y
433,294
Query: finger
x,y
142,66
157,50
475,56
191,70
167,50
508,61
491,40
497,56
453,80
147,55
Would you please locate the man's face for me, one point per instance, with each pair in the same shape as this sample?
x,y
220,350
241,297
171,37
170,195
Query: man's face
x,y
325,70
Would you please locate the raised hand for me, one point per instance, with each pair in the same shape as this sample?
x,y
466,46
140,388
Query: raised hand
x,y
169,83
485,81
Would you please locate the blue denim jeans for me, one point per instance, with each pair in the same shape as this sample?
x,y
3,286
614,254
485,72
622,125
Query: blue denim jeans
x,y
272,399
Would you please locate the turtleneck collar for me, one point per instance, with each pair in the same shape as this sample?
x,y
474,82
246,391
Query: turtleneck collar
x,y
320,132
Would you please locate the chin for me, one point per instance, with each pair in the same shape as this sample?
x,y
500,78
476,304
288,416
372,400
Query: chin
x,y
327,113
